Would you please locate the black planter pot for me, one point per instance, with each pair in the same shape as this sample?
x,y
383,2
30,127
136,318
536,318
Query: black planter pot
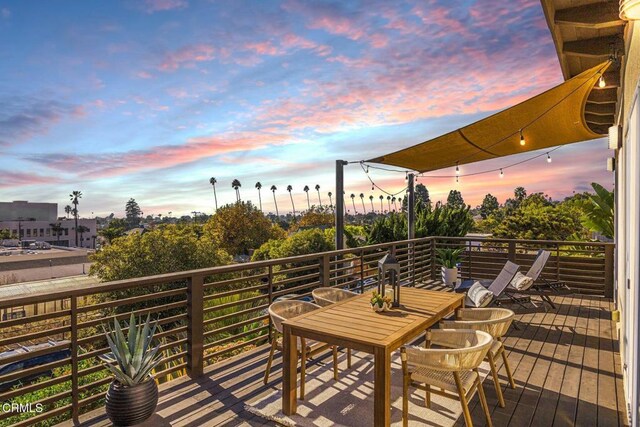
x,y
128,406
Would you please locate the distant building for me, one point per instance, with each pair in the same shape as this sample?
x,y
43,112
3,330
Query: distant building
x,y
35,222
12,211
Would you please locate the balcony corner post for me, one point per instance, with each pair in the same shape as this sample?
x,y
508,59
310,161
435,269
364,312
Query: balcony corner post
x,y
195,326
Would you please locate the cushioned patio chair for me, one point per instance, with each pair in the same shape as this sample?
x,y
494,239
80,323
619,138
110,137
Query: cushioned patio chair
x,y
288,309
496,287
326,296
451,371
540,286
495,322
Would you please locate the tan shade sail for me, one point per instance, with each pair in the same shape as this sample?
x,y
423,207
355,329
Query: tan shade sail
x,y
555,117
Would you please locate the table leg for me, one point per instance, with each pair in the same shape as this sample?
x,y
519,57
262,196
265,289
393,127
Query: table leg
x,y
289,372
382,388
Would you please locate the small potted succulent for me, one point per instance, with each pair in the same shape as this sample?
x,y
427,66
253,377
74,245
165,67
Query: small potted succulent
x,y
449,259
133,394
380,303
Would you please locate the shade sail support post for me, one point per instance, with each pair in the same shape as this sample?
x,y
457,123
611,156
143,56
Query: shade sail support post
x,y
411,207
339,208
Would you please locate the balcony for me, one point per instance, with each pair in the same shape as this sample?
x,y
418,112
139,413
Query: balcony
x,y
215,334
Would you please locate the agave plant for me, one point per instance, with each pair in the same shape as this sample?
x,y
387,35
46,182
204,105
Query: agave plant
x,y
133,355
449,257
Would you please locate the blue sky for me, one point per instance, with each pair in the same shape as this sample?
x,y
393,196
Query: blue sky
x,y
150,98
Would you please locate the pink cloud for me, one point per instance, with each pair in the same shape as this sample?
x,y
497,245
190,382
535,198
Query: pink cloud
x,y
152,6
187,56
18,179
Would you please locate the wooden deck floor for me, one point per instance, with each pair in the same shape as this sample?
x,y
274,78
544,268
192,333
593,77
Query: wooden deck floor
x,y
565,362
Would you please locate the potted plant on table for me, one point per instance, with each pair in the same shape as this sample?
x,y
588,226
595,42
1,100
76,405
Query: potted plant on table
x,y
380,303
133,394
449,259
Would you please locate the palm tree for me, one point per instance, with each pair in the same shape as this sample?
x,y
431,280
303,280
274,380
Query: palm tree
x,y
330,201
289,189
306,190
56,229
67,210
258,187
395,206
213,182
319,199
362,200
371,200
81,229
353,200
389,202
273,190
381,199
75,200
236,186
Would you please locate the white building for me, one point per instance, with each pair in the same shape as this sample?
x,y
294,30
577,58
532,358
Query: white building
x,y
31,222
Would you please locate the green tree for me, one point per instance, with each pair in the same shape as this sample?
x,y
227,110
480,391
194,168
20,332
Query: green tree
x,y
81,229
133,213
235,184
116,228
213,183
454,199
489,205
537,218
75,197
240,227
598,211
421,194
388,228
67,210
316,217
301,243
56,230
166,249
259,187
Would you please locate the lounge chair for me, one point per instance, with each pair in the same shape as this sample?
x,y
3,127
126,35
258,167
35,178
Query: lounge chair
x,y
451,371
541,286
279,312
494,321
497,287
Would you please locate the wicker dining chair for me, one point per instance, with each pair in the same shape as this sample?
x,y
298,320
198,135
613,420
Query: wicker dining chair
x,y
279,312
326,296
494,321
451,371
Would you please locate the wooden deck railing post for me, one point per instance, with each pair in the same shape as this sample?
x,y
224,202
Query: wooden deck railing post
x,y
511,251
434,273
270,293
195,326
608,270
325,270
75,395
361,271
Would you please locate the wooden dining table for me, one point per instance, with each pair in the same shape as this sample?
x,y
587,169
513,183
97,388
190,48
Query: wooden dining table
x,y
353,324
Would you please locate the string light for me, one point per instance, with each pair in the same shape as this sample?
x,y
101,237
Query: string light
x,y
457,179
601,82
548,158
501,174
457,170
522,141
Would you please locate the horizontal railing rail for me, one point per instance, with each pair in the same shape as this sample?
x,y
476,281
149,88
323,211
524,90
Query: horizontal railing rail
x,y
209,314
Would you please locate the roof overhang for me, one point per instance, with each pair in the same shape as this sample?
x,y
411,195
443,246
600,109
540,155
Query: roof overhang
x,y
552,118
585,33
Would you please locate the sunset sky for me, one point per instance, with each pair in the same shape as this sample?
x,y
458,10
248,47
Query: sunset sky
x,y
150,98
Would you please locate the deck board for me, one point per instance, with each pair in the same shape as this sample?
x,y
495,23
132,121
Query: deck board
x,y
565,362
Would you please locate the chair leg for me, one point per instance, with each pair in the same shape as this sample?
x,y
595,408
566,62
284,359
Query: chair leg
x,y
483,399
496,381
270,360
349,358
335,363
405,399
463,401
508,369
303,368
427,396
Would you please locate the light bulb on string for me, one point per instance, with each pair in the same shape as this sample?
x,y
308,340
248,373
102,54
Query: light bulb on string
x,y
601,82
457,170
548,158
457,179
501,174
522,141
